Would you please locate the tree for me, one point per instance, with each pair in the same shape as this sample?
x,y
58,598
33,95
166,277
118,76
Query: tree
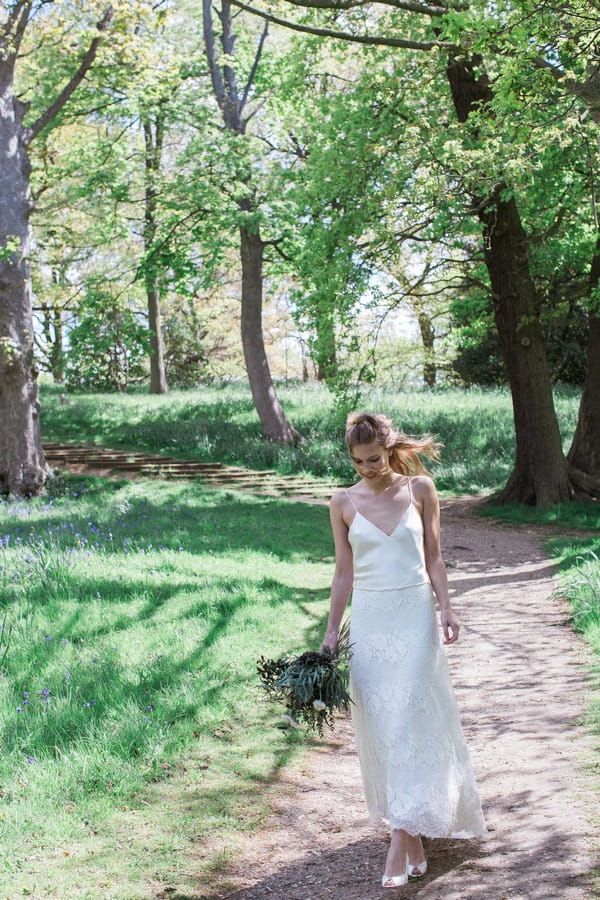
x,y
153,127
23,469
108,343
542,475
232,104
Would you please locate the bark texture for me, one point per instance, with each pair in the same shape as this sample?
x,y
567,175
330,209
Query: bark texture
x,y
153,142
23,469
275,425
541,473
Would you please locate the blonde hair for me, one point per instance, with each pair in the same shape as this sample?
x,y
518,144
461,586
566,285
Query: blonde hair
x,y
367,428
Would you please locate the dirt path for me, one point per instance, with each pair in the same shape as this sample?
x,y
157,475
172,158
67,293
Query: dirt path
x,y
520,678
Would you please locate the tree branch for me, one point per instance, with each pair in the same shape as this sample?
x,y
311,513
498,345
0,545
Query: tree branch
x,y
409,5
14,28
588,91
373,40
19,10
211,54
228,40
254,68
51,111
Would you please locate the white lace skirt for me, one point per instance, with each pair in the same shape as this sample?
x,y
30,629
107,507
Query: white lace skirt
x,y
415,765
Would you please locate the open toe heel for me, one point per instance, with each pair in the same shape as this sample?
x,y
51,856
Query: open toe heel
x,y
394,881
417,871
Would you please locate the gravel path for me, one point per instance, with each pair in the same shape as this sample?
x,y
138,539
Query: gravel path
x,y
519,674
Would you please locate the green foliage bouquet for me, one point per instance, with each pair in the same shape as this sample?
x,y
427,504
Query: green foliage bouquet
x,y
313,686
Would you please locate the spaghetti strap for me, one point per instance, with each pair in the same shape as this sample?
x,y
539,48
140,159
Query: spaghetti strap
x,y
409,490
350,499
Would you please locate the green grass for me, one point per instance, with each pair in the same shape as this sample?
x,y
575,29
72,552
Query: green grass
x,y
219,423
133,615
564,516
579,582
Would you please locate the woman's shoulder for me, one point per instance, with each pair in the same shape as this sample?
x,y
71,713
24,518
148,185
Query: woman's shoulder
x,y
339,499
422,486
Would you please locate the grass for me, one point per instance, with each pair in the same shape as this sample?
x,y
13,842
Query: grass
x,y
136,746
564,516
579,583
219,423
133,617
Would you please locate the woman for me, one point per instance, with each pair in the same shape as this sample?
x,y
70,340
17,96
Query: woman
x,y
414,761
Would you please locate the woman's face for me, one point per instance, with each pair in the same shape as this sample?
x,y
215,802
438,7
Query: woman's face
x,y
370,460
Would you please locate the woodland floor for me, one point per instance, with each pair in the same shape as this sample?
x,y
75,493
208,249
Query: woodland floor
x,y
520,676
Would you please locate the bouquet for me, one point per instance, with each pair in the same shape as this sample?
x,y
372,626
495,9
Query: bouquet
x,y
313,685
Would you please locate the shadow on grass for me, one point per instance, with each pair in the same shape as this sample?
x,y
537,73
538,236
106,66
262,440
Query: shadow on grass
x,y
124,711
163,516
570,555
175,686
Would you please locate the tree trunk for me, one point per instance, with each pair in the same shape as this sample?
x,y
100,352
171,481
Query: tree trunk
x,y
57,353
23,469
53,331
541,473
584,454
428,339
158,378
326,345
153,143
275,425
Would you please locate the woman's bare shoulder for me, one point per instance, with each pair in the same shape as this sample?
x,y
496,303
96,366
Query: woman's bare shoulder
x,y
339,500
422,486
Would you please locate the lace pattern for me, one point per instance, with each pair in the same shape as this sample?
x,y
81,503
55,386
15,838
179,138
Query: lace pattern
x,y
415,765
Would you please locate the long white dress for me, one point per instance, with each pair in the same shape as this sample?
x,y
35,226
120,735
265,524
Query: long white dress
x,y
415,765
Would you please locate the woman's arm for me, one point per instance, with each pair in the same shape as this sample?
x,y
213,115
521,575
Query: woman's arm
x,y
341,584
426,494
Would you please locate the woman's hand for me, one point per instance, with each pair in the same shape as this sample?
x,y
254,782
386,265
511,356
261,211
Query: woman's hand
x,y
451,626
329,641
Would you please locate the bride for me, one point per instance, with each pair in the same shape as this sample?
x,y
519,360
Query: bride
x,y
414,762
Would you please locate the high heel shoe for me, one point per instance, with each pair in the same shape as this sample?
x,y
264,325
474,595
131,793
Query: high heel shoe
x,y
394,881
421,868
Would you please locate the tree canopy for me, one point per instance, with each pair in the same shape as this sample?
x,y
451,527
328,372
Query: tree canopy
x,y
385,190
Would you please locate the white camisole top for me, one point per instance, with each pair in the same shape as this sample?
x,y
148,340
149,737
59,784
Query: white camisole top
x,y
386,562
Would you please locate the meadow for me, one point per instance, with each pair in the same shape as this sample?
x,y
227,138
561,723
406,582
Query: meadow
x,y
133,617
133,614
218,422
